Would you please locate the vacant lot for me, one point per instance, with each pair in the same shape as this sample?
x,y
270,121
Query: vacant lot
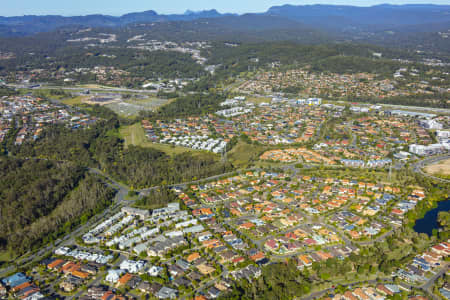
x,y
74,101
132,107
259,100
441,168
135,135
243,154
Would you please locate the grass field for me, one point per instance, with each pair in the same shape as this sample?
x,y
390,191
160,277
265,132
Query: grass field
x,y
441,168
242,154
135,135
74,101
259,100
5,256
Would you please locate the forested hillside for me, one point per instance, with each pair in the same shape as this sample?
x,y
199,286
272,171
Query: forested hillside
x,y
196,104
340,58
136,64
139,167
38,198
45,189
143,167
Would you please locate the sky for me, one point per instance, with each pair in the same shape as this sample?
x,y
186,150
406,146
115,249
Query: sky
x,y
119,7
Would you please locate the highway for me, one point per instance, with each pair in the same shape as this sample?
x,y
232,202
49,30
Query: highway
x,y
103,89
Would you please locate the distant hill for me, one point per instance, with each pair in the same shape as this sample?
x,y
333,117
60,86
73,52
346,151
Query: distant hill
x,y
244,28
380,16
26,25
403,26
416,27
333,18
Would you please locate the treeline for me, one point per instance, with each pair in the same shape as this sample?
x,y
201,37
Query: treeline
x,y
30,189
59,143
354,64
339,58
437,100
140,167
194,104
89,198
156,198
278,281
5,91
143,167
444,222
38,196
141,64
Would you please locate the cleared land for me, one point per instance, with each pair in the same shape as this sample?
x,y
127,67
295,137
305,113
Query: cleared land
x,y
132,107
242,154
74,101
96,86
441,168
135,135
259,100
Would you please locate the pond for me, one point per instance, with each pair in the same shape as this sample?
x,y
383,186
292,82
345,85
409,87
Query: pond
x,y
429,221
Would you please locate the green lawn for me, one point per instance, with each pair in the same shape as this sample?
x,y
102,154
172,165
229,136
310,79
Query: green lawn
x,y
135,135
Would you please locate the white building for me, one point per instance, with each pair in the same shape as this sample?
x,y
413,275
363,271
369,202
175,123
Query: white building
x,y
428,150
235,111
430,124
230,102
141,213
113,275
132,266
314,101
186,223
62,251
155,271
445,134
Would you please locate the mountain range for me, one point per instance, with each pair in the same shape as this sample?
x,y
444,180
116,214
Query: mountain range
x,y
417,27
333,18
26,25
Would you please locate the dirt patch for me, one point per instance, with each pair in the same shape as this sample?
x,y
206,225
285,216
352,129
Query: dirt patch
x,y
441,168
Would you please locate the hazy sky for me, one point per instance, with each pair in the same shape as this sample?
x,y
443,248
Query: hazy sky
x,y
119,7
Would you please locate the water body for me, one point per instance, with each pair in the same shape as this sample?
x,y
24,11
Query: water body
x,y
429,221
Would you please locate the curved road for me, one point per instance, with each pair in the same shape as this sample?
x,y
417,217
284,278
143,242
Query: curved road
x,y
417,167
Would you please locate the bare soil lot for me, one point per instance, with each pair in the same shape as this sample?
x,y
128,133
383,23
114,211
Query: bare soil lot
x,y
441,168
